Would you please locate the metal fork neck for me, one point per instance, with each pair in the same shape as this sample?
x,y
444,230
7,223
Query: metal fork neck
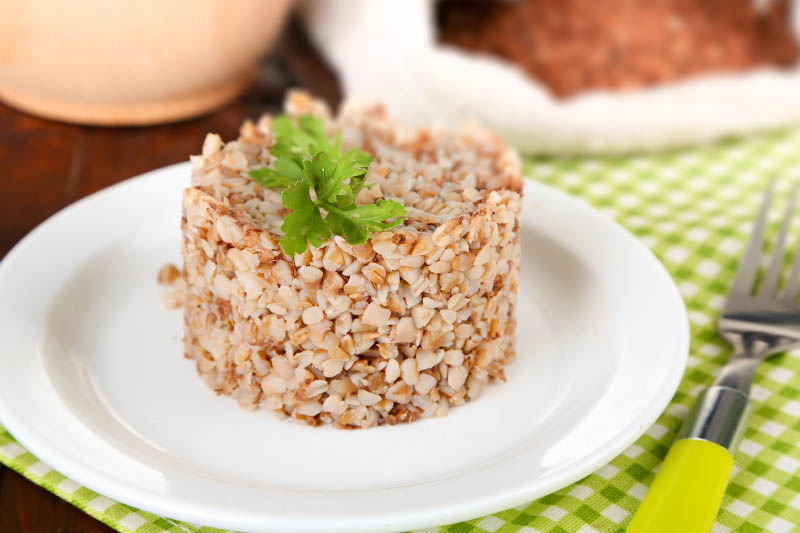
x,y
738,373
719,415
748,350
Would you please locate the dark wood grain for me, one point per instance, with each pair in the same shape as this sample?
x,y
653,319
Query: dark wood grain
x,y
47,165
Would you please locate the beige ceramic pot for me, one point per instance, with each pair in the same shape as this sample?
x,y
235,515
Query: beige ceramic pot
x,y
118,62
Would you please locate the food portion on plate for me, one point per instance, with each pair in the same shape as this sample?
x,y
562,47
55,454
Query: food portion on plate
x,y
575,46
350,270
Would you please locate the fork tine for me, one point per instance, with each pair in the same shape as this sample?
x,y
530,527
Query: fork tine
x,y
773,275
790,294
748,268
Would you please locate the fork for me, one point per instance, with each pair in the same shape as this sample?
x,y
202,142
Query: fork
x,y
758,320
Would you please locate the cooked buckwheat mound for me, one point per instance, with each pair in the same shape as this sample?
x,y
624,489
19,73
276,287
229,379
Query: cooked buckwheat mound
x,y
419,318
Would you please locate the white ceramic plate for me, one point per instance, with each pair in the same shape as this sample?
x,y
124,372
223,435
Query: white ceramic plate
x,y
93,381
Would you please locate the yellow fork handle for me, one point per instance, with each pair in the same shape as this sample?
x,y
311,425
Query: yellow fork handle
x,y
687,491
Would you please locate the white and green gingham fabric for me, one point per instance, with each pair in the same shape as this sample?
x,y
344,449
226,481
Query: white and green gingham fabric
x,y
694,209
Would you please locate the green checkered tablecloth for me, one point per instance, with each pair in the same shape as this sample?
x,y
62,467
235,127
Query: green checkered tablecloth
x,y
694,209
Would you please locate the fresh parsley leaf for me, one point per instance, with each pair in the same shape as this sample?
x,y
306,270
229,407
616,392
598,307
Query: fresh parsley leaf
x,y
304,224
356,184
318,170
353,164
297,197
296,228
341,225
285,174
355,224
306,160
373,215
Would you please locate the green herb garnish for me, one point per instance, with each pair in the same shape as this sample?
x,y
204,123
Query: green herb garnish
x,y
307,161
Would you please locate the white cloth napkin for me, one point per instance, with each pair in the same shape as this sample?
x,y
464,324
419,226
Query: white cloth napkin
x,y
387,49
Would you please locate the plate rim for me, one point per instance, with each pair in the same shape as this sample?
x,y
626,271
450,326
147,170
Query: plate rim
x,y
117,488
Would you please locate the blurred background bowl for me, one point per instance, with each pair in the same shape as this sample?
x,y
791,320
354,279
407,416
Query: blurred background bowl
x,y
131,63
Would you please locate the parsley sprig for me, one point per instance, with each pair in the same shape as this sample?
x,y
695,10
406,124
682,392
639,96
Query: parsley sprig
x,y
316,178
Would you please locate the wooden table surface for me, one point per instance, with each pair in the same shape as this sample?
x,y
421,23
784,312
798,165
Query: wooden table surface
x,y
47,165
